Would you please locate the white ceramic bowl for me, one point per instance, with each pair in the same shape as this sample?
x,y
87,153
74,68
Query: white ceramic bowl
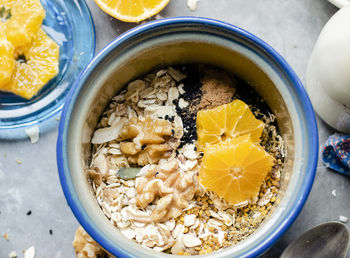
x,y
179,41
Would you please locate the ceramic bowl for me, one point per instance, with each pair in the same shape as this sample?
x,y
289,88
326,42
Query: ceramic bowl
x,y
184,40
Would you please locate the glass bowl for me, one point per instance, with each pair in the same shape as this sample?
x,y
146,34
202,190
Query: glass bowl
x,y
70,24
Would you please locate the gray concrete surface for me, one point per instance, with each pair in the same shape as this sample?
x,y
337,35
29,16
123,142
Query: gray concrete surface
x,y
291,27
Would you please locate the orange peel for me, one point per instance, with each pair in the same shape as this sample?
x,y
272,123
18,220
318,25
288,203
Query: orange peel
x,y
132,10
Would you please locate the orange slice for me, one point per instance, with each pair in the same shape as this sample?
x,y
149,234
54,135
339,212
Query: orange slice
x,y
132,10
235,169
22,23
40,66
227,121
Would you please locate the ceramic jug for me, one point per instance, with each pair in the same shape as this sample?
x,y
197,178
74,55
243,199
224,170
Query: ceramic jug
x,y
328,72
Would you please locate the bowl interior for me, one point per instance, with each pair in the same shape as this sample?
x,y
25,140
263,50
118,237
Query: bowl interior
x,y
128,59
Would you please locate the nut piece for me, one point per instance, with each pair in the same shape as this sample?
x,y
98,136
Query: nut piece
x,y
172,186
148,143
85,246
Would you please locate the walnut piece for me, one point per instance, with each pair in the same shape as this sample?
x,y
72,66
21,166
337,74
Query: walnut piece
x,y
85,246
171,185
148,140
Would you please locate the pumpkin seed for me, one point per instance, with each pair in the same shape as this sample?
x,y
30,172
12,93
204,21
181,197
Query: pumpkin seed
x,y
128,173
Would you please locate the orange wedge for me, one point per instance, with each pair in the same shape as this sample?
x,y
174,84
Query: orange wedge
x,y
132,10
23,20
40,66
7,61
235,169
227,121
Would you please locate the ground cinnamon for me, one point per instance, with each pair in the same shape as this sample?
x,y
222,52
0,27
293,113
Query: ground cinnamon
x,y
218,88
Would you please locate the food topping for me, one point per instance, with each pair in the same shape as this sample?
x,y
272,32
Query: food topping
x,y
227,121
167,191
235,169
148,140
85,246
171,185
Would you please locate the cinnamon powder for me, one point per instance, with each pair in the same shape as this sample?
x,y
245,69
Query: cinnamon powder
x,y
218,88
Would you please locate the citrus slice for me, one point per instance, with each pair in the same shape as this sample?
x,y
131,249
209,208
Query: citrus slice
x,y
132,10
23,19
235,169
7,61
36,67
227,121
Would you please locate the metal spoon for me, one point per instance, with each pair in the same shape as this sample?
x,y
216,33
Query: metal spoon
x,y
330,239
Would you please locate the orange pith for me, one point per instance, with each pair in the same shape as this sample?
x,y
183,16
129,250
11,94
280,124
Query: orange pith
x,y
235,169
132,10
227,121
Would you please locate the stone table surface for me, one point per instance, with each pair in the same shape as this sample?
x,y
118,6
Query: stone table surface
x,y
291,27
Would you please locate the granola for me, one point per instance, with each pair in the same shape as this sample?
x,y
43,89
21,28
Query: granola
x,y
150,125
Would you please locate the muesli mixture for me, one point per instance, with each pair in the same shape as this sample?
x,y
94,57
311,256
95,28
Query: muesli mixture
x,y
146,162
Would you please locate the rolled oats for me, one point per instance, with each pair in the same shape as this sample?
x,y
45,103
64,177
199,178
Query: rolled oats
x,y
191,241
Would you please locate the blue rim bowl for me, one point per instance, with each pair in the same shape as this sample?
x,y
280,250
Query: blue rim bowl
x,y
178,41
70,25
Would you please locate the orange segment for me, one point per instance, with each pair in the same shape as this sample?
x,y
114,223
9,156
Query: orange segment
x,y
25,20
235,169
7,61
41,66
132,10
227,121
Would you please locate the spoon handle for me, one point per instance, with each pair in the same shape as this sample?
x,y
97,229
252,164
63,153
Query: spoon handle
x,y
340,3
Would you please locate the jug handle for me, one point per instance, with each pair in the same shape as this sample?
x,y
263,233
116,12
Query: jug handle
x,y
340,3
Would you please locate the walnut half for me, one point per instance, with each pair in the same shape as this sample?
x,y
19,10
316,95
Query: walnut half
x,y
171,185
85,246
144,141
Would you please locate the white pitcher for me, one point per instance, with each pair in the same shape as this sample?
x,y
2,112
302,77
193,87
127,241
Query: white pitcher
x,y
328,72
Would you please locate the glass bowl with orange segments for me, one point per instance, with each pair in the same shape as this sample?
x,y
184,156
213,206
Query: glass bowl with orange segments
x,y
70,25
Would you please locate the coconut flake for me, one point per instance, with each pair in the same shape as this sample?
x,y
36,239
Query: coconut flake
x,y
334,193
107,134
30,252
343,219
192,4
33,134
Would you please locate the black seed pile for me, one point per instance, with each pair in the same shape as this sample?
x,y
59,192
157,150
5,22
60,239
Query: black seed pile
x,y
248,95
193,94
